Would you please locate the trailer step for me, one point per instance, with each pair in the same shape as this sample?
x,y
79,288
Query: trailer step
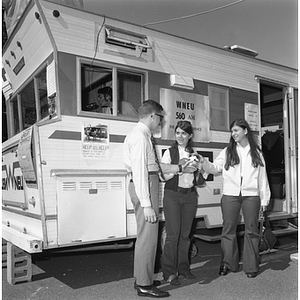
x,y
19,265
290,229
213,237
208,238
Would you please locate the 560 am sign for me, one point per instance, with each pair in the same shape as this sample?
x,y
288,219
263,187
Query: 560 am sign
x,y
180,106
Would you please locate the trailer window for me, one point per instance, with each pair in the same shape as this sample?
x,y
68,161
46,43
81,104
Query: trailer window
x,y
30,105
42,95
219,108
129,93
111,90
15,116
96,91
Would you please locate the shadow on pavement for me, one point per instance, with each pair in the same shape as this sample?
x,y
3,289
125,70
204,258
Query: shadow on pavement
x,y
79,270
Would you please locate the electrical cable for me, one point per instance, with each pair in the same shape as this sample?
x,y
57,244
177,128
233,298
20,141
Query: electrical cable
x,y
95,52
194,15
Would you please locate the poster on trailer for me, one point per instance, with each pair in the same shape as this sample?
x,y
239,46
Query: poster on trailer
x,y
251,115
95,141
25,158
183,106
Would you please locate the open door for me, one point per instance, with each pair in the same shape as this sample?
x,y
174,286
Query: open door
x,y
279,120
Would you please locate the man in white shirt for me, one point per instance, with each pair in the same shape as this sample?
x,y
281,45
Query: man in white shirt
x,y
141,164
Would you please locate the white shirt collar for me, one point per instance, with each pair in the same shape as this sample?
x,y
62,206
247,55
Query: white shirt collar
x,y
244,149
144,128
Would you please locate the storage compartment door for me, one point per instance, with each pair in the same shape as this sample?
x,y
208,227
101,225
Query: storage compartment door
x,y
91,209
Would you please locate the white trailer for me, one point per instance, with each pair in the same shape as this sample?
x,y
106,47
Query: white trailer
x,y
63,179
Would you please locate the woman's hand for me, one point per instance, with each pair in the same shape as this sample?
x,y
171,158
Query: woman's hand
x,y
189,169
263,208
183,161
201,159
188,166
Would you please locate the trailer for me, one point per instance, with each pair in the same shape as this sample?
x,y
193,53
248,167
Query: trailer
x,y
64,184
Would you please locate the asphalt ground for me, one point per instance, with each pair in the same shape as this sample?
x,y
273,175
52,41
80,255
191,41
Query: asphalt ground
x,y
108,276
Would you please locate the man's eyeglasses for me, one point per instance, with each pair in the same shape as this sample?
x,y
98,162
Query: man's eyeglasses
x,y
160,116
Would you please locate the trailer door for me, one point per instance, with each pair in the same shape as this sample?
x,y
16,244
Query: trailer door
x,y
278,120
292,154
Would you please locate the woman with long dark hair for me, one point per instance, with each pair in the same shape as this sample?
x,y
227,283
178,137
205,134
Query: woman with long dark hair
x,y
180,205
246,188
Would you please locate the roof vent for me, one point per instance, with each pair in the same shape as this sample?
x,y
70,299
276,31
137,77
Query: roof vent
x,y
242,50
127,39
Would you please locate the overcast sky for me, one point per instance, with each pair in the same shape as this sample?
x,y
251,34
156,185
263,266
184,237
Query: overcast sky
x,y
266,26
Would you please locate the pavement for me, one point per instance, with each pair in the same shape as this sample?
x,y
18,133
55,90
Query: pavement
x,y
277,280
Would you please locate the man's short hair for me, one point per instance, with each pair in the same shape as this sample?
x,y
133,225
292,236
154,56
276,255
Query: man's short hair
x,y
148,107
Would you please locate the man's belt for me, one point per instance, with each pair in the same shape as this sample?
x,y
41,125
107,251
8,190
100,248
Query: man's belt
x,y
153,173
149,173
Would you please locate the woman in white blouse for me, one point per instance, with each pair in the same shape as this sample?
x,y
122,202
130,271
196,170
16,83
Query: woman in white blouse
x,y
246,188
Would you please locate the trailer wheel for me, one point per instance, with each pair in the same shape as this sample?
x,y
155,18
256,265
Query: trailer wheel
x,y
193,250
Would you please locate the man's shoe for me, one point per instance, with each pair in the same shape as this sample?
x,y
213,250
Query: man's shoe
x,y
224,270
251,275
155,283
173,279
188,275
153,292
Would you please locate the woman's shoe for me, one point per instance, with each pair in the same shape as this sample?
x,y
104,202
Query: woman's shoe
x,y
188,275
173,279
224,270
252,274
